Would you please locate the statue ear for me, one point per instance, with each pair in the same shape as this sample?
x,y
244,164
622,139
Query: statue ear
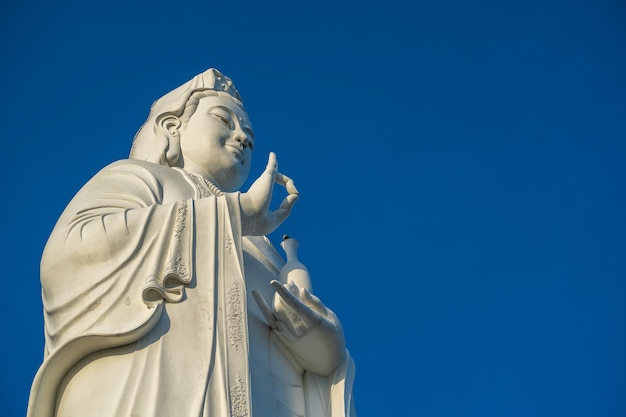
x,y
170,125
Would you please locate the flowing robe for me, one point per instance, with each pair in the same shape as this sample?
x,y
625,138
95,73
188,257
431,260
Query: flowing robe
x,y
146,282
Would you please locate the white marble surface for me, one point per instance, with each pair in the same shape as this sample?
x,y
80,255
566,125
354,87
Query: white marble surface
x,y
163,297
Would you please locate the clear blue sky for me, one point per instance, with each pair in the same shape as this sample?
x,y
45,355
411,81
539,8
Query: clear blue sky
x,y
461,168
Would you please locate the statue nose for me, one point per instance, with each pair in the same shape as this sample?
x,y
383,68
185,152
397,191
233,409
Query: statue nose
x,y
242,138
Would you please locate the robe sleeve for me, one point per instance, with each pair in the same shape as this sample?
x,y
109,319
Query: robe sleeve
x,y
113,250
115,256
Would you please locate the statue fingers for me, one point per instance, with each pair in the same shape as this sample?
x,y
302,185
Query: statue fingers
x,y
286,333
272,165
313,302
285,208
306,313
286,292
288,321
259,195
286,182
266,311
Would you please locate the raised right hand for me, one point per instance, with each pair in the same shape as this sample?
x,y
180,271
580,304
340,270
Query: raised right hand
x,y
256,216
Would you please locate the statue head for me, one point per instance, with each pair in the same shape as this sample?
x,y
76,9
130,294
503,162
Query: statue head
x,y
176,135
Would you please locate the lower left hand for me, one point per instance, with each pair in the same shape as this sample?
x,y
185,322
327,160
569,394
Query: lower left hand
x,y
310,330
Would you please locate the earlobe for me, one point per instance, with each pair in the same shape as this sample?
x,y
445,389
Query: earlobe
x,y
170,125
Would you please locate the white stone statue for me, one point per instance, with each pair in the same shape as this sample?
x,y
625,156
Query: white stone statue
x,y
163,298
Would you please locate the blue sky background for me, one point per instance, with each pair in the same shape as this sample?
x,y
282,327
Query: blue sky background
x,y
461,168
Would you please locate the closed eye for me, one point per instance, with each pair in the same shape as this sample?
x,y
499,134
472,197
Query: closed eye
x,y
223,119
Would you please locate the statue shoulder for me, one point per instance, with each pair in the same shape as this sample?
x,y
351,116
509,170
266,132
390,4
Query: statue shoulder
x,y
141,168
170,183
133,181
144,170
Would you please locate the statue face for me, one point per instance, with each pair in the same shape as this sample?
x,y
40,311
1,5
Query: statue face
x,y
217,142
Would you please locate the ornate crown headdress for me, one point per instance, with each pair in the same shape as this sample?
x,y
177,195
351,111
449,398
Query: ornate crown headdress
x,y
210,79
220,83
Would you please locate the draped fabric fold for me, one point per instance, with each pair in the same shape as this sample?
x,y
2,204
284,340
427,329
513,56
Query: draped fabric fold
x,y
145,303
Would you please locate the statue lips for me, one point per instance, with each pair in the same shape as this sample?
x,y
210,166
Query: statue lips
x,y
236,150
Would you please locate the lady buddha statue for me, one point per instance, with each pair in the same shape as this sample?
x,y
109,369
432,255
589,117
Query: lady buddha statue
x,y
161,293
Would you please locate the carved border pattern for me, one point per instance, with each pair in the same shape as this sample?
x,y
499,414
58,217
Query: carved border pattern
x,y
205,187
177,266
229,244
234,316
181,220
238,398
